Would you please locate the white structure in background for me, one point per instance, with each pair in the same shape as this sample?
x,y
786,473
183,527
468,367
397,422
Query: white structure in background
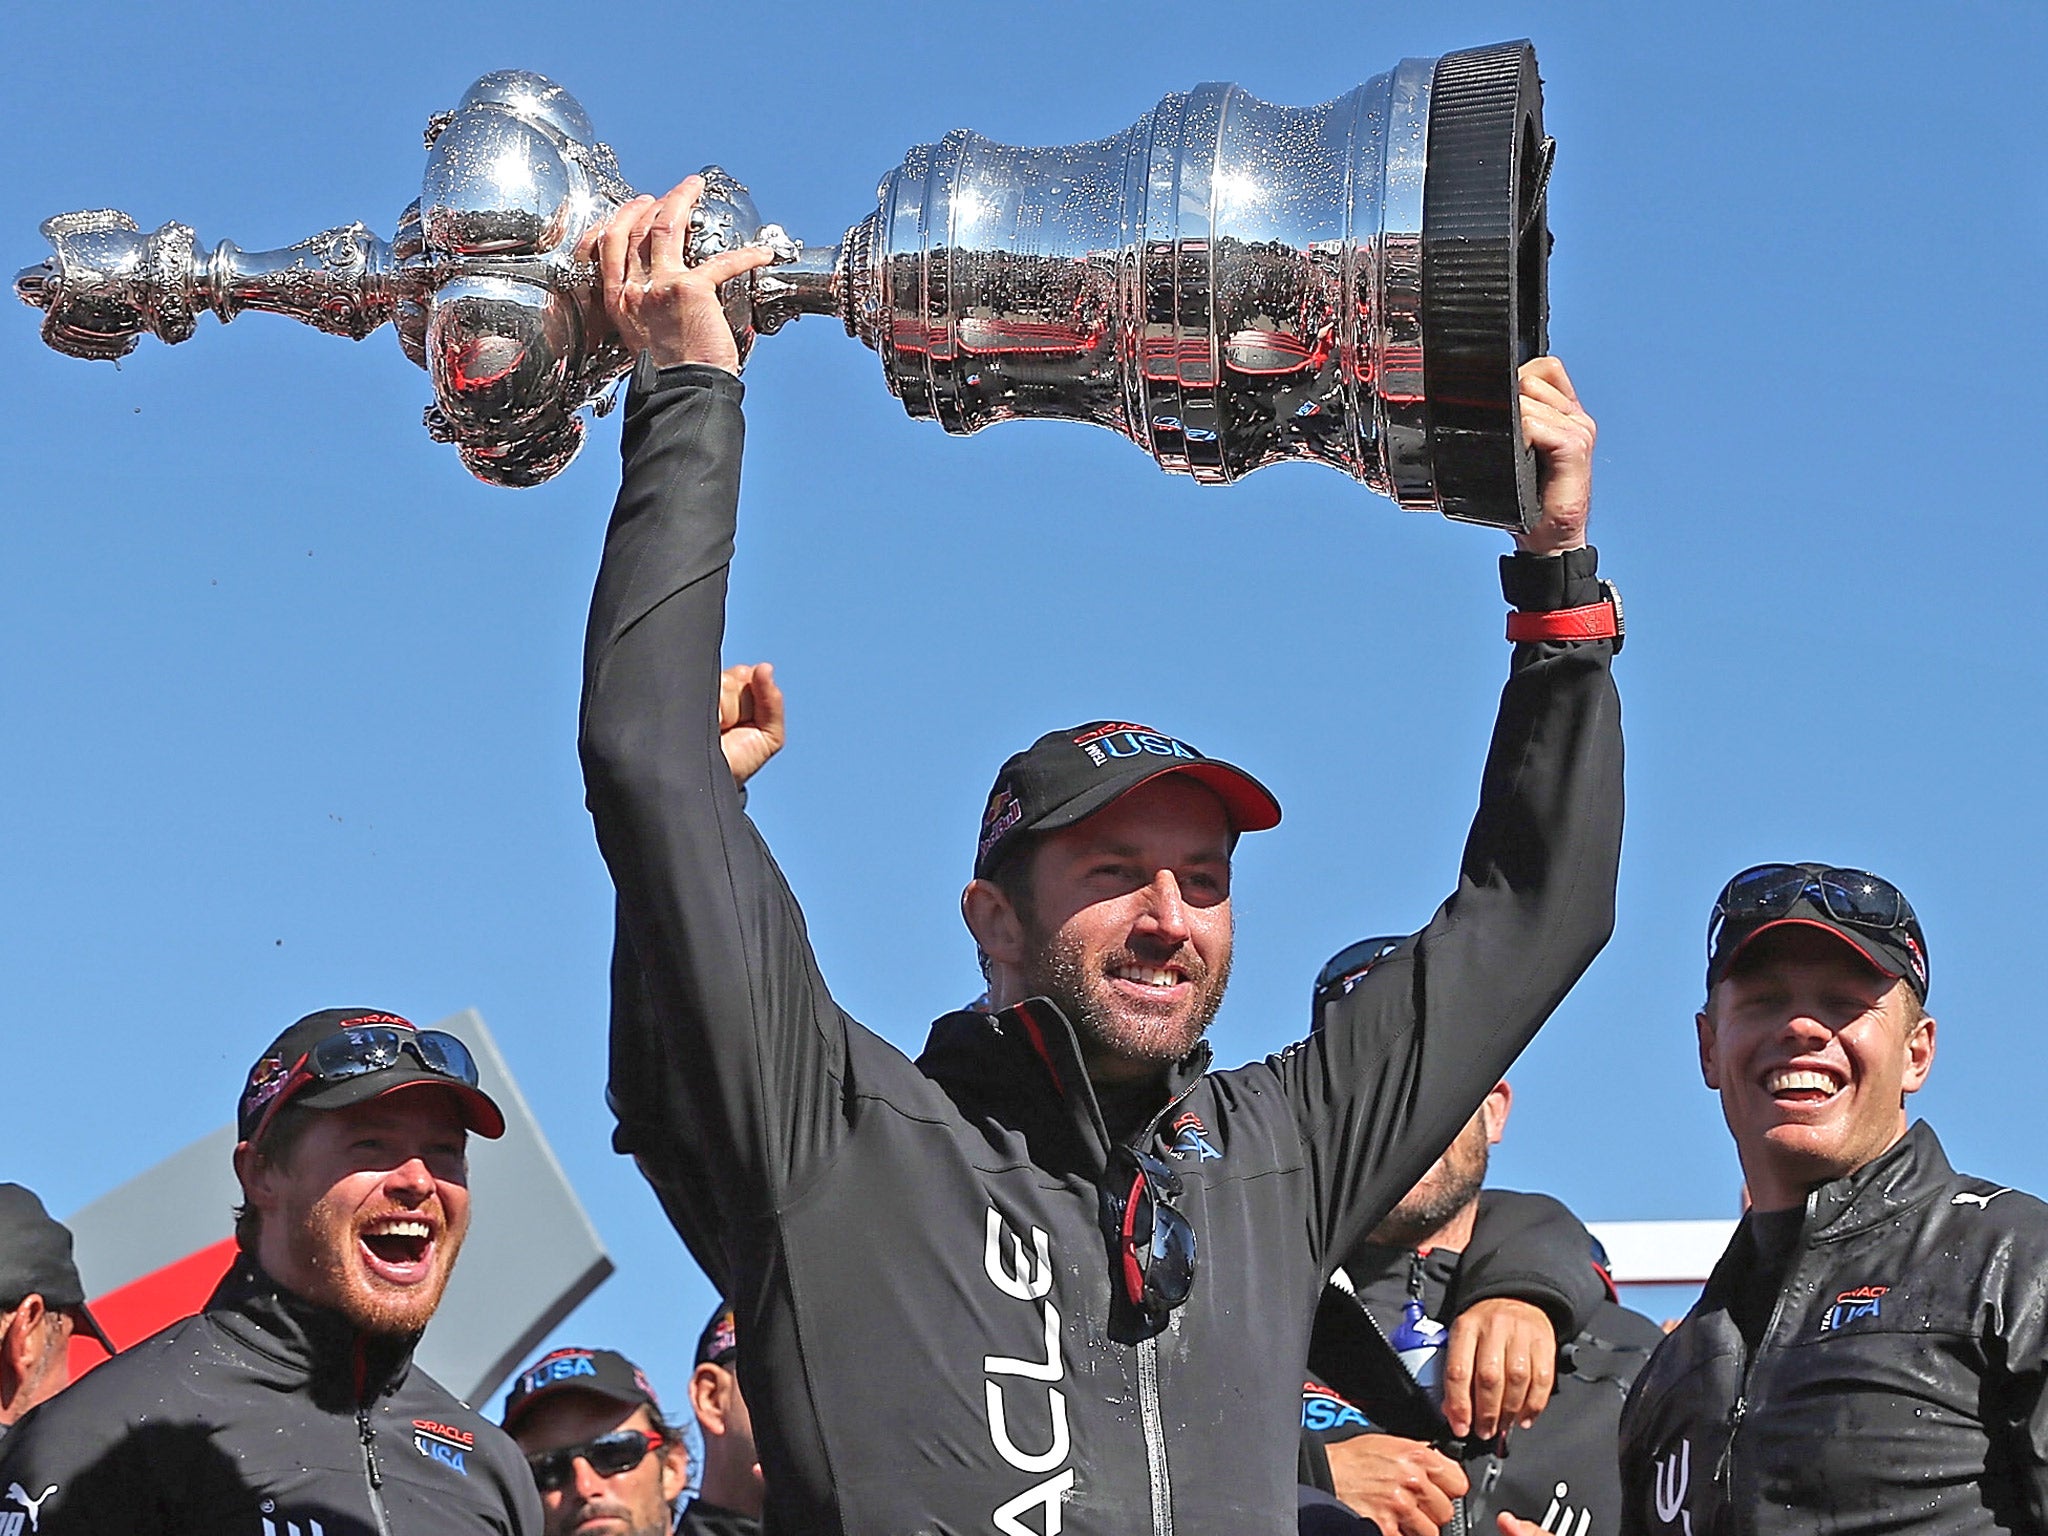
x,y
1662,1252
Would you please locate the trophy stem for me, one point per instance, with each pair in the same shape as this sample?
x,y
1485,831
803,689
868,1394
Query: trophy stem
x,y
813,284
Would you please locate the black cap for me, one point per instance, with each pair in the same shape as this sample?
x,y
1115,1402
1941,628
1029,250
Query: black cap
x,y
1898,950
272,1074
35,1258
600,1372
1066,776
720,1340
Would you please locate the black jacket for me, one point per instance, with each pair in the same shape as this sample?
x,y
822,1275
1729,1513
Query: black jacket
x,y
1897,1385
265,1416
702,1519
914,1250
1559,1473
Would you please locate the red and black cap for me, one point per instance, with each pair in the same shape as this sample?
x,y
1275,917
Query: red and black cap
x,y
719,1343
35,1260
372,1053
600,1372
1066,776
1865,911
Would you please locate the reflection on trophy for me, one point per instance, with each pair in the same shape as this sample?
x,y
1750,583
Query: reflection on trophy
x,y
1227,283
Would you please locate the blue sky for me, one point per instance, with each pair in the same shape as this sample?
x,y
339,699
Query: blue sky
x,y
290,699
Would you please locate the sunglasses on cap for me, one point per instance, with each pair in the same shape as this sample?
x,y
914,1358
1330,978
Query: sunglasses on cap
x,y
1155,1244
1349,966
620,1451
360,1050
1852,896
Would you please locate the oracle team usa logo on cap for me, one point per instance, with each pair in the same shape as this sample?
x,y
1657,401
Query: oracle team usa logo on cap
x,y
1121,738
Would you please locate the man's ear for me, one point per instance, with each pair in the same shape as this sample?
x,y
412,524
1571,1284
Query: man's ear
x,y
1710,1069
675,1468
707,1398
1494,1110
254,1173
21,1345
992,918
1919,1054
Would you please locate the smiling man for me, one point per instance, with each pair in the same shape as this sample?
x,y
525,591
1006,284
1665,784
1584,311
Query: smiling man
x,y
1870,1352
1056,1275
290,1404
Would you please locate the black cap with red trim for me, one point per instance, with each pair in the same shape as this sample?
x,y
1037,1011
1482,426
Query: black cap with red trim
x,y
1067,776
1898,950
601,1372
281,1071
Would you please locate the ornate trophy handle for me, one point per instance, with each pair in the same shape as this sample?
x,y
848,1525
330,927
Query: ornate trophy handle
x,y
105,282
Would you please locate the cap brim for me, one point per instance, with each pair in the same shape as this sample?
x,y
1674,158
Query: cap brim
x,y
92,1328
1870,953
1248,803
590,1388
480,1112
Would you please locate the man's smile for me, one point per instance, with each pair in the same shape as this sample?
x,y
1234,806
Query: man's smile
x,y
1803,1086
399,1250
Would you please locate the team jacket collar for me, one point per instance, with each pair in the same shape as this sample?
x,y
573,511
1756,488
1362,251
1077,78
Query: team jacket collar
x,y
1905,1175
343,1366
1025,1062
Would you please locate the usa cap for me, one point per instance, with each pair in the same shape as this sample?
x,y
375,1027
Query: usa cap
x,y
35,1259
1066,776
600,1372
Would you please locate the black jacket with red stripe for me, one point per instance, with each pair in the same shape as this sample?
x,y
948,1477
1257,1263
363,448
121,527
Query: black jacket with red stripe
x,y
263,1416
915,1250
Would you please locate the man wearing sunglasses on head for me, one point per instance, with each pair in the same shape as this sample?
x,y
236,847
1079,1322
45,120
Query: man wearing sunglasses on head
x,y
605,1460
1869,1353
1056,1275
291,1403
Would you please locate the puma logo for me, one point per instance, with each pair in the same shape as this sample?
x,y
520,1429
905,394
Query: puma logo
x,y
1964,1197
34,1506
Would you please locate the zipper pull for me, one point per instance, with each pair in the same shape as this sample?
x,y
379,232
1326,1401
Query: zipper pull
x,y
1728,1446
369,1434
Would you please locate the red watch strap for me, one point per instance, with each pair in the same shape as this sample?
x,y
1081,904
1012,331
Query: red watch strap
x,y
1595,621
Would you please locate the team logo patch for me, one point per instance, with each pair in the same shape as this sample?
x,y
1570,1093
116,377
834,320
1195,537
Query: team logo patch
x,y
448,1444
1323,1410
562,1365
1004,812
1191,1139
1114,739
265,1079
1857,1304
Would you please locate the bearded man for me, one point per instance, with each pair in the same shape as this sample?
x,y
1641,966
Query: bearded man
x,y
290,1404
1056,1275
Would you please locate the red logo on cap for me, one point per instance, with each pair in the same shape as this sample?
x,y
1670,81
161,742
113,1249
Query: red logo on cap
x,y
1110,728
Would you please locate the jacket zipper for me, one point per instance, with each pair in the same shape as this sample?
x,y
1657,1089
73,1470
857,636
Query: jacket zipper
x,y
1724,1468
1149,1416
373,1475
1155,1436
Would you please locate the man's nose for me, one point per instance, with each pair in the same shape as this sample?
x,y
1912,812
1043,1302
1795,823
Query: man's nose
x,y
1166,914
411,1177
589,1486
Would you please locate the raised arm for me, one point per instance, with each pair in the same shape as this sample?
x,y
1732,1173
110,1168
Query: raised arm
x,y
729,1050
1402,1060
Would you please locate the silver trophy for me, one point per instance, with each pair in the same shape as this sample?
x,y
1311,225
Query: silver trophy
x,y
1227,283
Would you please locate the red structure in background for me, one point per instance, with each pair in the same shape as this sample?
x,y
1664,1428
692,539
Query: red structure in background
x,y
153,1302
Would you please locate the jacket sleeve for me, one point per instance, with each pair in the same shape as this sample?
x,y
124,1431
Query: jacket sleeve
x,y
1530,1248
730,1048
1400,1062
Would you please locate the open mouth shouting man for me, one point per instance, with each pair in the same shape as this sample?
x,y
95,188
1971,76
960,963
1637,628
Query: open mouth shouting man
x,y
291,1402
